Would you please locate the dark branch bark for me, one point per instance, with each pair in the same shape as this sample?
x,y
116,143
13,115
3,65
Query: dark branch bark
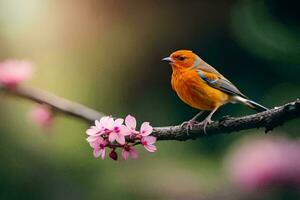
x,y
268,119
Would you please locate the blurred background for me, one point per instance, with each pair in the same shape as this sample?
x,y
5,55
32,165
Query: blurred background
x,y
107,55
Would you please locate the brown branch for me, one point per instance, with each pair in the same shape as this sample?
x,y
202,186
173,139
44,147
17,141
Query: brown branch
x,y
56,103
268,119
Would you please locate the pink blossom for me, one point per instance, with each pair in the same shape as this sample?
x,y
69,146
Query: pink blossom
x,y
262,162
148,143
117,131
13,72
145,129
42,115
99,129
130,123
107,125
111,133
99,147
129,151
94,133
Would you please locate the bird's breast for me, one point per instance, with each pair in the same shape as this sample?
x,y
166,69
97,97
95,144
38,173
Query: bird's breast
x,y
195,92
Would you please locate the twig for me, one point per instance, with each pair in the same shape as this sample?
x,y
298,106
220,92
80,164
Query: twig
x,y
56,103
268,119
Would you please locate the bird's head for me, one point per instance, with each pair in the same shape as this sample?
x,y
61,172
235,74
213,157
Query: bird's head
x,y
183,59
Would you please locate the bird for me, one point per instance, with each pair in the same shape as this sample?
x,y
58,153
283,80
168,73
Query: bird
x,y
202,87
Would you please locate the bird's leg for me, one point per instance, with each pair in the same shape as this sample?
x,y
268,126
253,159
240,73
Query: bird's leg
x,y
189,124
208,120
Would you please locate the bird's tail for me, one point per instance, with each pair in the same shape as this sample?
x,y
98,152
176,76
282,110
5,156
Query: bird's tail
x,y
250,103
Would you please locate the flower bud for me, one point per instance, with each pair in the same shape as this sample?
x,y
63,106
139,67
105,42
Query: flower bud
x,y
113,155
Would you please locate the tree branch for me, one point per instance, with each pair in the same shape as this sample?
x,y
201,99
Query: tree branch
x,y
56,103
268,119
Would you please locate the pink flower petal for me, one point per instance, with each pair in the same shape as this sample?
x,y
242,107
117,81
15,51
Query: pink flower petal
x,y
92,138
118,122
97,152
146,129
149,139
102,141
98,124
13,72
112,136
125,154
104,120
43,116
95,142
102,154
92,131
124,130
133,153
257,163
151,148
120,139
130,122
108,123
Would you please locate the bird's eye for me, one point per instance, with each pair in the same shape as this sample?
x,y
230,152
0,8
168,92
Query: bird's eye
x,y
181,58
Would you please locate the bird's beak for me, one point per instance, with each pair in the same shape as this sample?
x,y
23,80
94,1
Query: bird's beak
x,y
168,59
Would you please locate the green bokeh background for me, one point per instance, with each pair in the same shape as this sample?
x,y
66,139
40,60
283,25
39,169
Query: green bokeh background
x,y
107,55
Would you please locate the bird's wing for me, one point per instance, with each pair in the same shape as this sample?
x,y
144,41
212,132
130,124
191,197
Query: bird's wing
x,y
219,82
207,68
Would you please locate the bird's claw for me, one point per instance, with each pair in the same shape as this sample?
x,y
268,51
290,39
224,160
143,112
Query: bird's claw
x,y
204,123
188,125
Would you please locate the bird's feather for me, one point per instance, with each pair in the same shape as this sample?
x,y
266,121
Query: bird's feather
x,y
219,82
207,68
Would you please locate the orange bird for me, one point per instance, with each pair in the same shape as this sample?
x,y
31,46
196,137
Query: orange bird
x,y
202,87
